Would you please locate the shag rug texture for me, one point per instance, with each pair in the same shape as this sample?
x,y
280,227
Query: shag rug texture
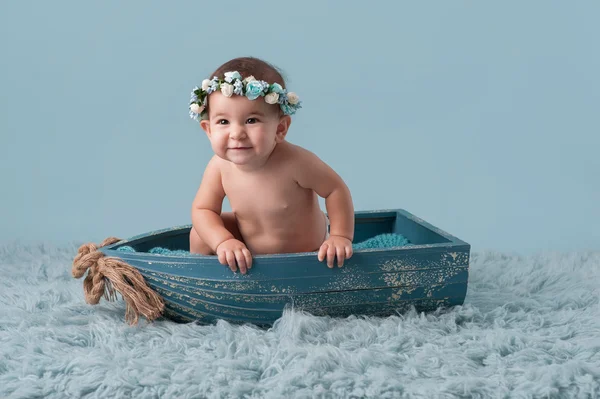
x,y
529,328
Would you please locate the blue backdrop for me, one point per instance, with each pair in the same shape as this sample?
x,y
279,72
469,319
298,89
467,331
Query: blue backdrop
x,y
480,118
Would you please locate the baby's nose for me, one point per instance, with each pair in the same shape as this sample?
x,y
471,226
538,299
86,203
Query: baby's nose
x,y
237,133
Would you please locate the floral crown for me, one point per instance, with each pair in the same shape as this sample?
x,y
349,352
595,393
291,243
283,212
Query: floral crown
x,y
248,87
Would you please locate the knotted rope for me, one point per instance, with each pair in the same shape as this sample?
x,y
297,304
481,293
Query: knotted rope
x,y
109,274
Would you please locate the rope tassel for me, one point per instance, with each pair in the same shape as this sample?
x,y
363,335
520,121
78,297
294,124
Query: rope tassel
x,y
109,275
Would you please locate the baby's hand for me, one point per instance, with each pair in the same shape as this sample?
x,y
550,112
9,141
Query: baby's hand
x,y
233,251
335,246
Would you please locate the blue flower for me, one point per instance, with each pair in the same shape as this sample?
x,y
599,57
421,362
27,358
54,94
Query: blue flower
x,y
265,86
214,85
276,88
290,109
193,95
283,98
238,87
194,115
254,89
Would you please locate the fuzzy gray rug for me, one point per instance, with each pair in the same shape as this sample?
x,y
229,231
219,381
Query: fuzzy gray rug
x,y
530,328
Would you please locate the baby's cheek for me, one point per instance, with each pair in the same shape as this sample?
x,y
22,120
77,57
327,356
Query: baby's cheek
x,y
217,148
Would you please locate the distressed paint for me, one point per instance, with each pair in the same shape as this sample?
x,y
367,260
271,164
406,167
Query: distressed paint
x,y
333,282
299,266
323,299
429,273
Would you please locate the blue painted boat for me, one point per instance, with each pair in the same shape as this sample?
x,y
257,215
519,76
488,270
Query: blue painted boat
x,y
430,272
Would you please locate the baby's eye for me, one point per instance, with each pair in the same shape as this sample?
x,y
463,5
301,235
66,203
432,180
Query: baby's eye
x,y
251,121
222,122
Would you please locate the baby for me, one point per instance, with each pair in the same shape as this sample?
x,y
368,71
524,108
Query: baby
x,y
272,185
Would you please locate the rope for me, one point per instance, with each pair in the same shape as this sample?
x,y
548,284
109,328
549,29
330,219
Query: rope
x,y
109,274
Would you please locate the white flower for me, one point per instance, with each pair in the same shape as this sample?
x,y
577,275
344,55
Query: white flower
x,y
205,84
195,108
271,98
293,98
249,79
227,89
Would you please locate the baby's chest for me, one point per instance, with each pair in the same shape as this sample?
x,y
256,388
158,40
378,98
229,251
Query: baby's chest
x,y
267,196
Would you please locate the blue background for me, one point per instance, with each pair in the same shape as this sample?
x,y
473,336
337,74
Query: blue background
x,y
481,118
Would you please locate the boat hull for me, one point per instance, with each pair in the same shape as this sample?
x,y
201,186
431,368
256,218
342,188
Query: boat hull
x,y
430,273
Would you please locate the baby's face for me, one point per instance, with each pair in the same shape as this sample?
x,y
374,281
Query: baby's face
x,y
242,131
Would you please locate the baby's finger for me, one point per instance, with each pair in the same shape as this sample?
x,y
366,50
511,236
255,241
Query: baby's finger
x,y
231,261
340,253
223,258
248,257
330,256
349,252
241,260
322,252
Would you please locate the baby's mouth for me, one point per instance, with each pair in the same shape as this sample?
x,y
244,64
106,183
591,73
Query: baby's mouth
x,y
239,148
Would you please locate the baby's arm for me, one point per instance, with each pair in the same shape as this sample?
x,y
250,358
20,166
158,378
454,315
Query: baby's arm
x,y
313,173
206,208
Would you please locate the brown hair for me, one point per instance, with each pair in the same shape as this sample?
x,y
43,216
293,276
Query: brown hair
x,y
247,66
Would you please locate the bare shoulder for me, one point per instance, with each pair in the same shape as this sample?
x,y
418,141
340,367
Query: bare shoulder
x,y
210,194
215,162
310,171
298,155
213,170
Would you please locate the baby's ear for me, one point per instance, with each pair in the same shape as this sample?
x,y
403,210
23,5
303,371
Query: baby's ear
x,y
282,128
205,125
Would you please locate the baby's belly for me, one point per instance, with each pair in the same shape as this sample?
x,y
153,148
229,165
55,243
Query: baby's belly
x,y
290,234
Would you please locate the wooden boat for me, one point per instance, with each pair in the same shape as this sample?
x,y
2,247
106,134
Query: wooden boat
x,y
430,272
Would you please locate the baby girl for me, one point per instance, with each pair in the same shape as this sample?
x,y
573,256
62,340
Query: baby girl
x,y
272,185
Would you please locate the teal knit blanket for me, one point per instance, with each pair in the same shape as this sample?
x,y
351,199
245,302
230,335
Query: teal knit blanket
x,y
378,241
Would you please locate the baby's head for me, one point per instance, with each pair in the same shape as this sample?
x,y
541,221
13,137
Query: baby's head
x,y
248,77
244,109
